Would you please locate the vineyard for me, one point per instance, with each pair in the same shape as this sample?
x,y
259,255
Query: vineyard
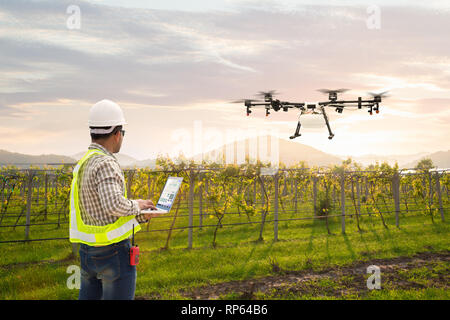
x,y
35,202
240,231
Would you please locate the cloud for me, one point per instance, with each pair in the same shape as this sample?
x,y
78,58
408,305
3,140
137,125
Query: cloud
x,y
177,66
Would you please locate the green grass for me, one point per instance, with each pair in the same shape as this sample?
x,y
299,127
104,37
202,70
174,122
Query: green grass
x,y
37,270
416,294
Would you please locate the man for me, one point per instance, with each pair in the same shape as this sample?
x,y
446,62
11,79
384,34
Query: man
x,y
102,219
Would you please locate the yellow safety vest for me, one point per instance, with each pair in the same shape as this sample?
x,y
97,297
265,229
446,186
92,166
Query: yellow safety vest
x,y
121,229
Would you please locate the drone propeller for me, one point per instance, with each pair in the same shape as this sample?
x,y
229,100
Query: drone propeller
x,y
377,97
245,101
381,94
332,94
333,91
267,95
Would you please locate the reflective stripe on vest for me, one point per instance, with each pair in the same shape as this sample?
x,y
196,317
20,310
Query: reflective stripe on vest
x,y
121,229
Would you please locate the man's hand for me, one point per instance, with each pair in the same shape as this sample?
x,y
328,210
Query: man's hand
x,y
147,204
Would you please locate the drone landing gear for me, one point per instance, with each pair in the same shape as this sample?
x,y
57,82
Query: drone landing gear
x,y
331,134
297,131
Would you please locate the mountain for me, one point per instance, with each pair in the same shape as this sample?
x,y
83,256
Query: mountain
x,y
24,160
148,163
290,153
293,152
441,159
124,160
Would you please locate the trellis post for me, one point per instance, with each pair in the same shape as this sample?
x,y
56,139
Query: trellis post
x,y
438,189
343,202
275,208
29,199
191,208
200,206
396,193
315,194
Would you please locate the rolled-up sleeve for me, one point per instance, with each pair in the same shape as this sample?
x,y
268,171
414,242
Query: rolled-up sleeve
x,y
110,188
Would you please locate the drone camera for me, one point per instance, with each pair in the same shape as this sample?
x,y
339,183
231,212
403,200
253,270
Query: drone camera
x,y
285,109
339,109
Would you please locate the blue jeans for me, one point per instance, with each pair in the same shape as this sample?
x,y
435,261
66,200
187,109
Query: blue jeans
x,y
106,272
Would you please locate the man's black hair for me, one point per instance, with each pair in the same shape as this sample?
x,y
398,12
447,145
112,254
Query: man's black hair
x,y
97,136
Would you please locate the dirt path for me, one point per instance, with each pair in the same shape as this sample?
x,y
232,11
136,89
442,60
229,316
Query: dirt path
x,y
419,271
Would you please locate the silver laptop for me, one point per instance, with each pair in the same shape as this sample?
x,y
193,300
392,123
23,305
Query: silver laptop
x,y
168,196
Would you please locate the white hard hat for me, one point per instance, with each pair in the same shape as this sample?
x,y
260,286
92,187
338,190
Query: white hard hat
x,y
106,113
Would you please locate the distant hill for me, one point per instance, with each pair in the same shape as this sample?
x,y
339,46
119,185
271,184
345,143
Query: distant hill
x,y
124,160
290,153
24,160
149,163
293,152
441,159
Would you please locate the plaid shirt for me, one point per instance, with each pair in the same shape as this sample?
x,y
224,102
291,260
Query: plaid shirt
x,y
101,190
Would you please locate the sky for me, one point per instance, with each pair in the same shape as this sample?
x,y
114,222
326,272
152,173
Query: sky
x,y
174,66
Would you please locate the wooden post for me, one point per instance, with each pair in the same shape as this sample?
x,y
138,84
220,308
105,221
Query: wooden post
x,y
191,208
254,192
56,192
45,196
358,195
430,194
343,202
438,189
2,196
200,206
275,208
296,195
315,195
38,189
396,193
29,199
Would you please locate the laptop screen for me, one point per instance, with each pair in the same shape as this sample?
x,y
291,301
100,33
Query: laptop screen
x,y
169,193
